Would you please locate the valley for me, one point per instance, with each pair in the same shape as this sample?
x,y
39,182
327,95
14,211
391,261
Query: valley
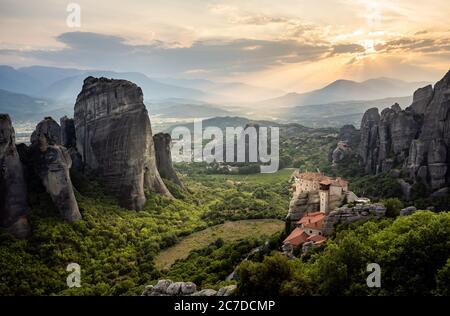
x,y
228,232
221,224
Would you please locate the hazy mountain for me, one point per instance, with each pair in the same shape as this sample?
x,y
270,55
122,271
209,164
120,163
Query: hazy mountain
x,y
18,82
49,75
64,84
228,91
337,114
346,90
68,88
180,109
22,107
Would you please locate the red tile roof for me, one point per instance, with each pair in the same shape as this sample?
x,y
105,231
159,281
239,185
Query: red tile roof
x,y
297,237
312,220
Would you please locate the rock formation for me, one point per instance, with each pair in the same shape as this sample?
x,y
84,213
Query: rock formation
x,y
163,143
68,135
69,141
348,139
301,204
369,144
13,189
170,288
415,140
114,139
51,162
347,215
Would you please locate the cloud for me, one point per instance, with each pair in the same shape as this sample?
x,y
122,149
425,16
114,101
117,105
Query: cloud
x,y
414,44
216,56
236,16
347,48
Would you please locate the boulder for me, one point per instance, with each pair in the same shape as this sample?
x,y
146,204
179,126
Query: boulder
x,y
205,292
227,290
347,214
13,198
174,288
162,286
407,211
169,288
114,139
188,288
51,163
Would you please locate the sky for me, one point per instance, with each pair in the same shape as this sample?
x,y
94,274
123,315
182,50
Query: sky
x,y
291,45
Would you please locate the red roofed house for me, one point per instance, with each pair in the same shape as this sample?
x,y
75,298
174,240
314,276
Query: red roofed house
x,y
309,229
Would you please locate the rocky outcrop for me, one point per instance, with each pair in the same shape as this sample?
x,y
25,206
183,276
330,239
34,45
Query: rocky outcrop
x,y
51,163
348,140
351,135
369,144
408,211
421,98
340,152
69,141
68,135
114,139
302,203
163,143
170,288
13,189
415,140
347,215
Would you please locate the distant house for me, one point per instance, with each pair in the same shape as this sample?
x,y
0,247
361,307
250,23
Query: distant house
x,y
309,229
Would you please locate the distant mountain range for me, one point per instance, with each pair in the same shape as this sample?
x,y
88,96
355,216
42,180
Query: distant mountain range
x,y
346,90
337,114
32,92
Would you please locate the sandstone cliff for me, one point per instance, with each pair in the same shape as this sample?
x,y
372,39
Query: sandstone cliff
x,y
347,215
114,139
304,202
348,139
415,140
69,141
51,163
13,189
163,143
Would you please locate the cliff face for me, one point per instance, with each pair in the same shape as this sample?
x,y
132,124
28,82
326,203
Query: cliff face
x,y
348,139
114,139
163,154
52,163
13,189
304,202
415,139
